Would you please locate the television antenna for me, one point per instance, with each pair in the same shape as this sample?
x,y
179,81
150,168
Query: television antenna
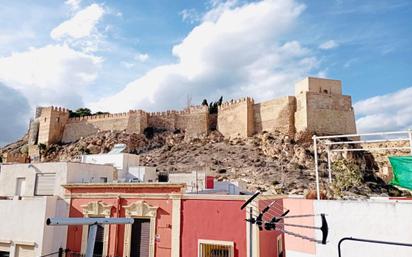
x,y
276,221
93,224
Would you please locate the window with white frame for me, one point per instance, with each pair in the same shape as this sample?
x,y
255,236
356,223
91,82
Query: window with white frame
x,y
213,248
44,184
4,249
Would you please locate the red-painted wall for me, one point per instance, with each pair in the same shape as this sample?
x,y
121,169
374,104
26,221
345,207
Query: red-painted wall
x,y
268,239
212,220
116,232
116,236
210,182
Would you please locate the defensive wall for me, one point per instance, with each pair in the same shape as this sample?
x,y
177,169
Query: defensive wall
x,y
52,124
131,122
318,107
244,118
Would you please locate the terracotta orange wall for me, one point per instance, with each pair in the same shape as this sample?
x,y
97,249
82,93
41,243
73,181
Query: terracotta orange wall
x,y
116,232
212,220
299,207
268,239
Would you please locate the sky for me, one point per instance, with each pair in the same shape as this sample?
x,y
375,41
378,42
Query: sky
x,y
117,55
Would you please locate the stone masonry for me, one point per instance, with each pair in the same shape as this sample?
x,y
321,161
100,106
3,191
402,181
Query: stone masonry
x,y
318,107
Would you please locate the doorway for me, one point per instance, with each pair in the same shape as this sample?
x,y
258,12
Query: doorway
x,y
139,245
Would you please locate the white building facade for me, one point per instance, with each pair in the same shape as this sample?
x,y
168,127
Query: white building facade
x,y
374,219
31,193
121,161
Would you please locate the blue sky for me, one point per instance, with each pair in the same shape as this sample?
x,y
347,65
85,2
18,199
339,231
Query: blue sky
x,y
131,54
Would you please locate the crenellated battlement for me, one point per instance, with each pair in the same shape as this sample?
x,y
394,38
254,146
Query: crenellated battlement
x,y
318,106
163,114
231,103
53,109
107,116
99,117
140,112
190,110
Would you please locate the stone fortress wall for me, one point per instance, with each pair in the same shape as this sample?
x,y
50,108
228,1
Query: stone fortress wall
x,y
318,107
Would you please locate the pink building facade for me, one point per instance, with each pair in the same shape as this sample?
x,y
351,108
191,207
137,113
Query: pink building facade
x,y
167,222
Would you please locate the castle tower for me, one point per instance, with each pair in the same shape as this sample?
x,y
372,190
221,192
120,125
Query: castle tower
x,y
51,122
322,109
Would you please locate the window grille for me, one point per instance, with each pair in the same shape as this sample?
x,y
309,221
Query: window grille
x,y
215,249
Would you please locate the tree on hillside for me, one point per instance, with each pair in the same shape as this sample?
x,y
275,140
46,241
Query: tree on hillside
x,y
84,112
204,102
80,112
100,113
213,106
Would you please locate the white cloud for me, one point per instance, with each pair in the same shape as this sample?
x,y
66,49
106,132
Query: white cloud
x,y
218,7
234,52
53,74
81,25
190,15
74,4
141,57
386,112
128,65
329,45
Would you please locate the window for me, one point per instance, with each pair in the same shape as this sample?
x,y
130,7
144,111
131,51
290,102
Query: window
x,y
20,186
140,241
24,251
45,183
98,244
210,248
4,249
103,179
4,254
280,246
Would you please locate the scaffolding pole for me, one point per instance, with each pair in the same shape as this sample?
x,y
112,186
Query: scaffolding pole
x,y
357,141
315,148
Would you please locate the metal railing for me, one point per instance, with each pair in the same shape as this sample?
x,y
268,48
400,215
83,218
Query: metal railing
x,y
368,241
326,140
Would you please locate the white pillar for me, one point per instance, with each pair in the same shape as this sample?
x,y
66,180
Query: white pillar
x,y
176,215
315,148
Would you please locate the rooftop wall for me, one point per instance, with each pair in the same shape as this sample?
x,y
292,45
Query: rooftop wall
x,y
377,219
23,224
65,173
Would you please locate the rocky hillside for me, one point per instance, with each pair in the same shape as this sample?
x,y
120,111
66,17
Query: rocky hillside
x,y
271,162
